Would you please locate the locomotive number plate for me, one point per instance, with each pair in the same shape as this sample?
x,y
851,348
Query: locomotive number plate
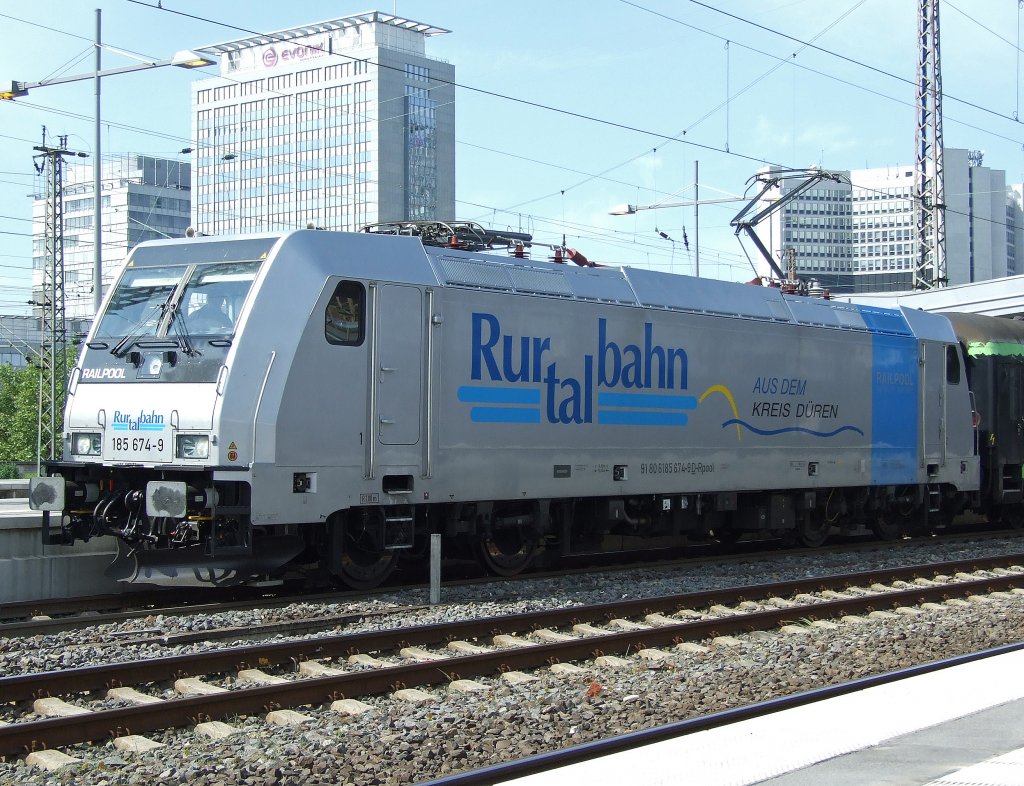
x,y
153,448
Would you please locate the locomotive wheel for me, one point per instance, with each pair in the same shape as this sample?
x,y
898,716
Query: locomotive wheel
x,y
508,551
887,528
364,563
365,571
812,530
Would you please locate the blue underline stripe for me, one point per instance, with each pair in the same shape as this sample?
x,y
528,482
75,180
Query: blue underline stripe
x,y
471,394
504,415
647,400
617,417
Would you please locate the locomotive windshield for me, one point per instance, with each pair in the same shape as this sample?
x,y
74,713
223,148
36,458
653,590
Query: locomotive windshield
x,y
178,300
139,300
213,296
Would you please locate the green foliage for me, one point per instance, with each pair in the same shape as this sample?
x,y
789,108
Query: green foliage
x,y
19,412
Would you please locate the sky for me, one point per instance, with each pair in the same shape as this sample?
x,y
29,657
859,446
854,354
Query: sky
x,y
564,108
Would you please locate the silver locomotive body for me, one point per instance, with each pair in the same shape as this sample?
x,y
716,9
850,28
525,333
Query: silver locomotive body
x,y
366,391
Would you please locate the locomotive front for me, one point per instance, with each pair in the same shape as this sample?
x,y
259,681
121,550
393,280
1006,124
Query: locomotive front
x,y
141,444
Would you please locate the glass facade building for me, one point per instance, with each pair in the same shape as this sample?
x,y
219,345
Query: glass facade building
x,y
1015,229
335,124
860,235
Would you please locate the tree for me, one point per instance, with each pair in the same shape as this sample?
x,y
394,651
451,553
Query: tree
x,y
19,412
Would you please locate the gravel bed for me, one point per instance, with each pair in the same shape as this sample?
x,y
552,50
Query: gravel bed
x,y
401,743
108,643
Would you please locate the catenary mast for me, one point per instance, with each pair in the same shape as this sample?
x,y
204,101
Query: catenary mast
x,y
930,270
49,163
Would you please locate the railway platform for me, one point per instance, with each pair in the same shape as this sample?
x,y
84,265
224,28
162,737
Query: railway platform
x,y
985,748
955,726
30,571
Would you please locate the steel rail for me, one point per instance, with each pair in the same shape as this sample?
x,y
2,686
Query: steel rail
x,y
288,627
132,605
128,605
187,599
44,626
35,685
25,736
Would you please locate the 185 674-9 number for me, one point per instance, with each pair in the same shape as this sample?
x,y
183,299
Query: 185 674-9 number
x,y
137,444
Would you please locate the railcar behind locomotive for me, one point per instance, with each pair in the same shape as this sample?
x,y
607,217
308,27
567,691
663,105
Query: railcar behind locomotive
x,y
319,403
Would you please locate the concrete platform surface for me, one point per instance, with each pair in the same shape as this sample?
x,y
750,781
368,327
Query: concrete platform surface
x,y
943,754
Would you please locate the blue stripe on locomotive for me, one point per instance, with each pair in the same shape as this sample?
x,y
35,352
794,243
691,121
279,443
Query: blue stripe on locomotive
x,y
894,397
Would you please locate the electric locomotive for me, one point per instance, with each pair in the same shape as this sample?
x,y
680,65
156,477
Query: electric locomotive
x,y
318,403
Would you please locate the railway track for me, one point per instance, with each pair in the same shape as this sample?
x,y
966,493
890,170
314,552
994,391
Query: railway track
x,y
293,627
338,668
48,616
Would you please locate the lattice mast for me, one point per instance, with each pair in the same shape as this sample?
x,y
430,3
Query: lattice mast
x,y
52,356
930,270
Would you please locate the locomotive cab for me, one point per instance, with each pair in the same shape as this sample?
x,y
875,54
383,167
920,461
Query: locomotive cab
x,y
141,431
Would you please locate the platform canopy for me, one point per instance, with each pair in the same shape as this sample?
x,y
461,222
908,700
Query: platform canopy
x,y
999,297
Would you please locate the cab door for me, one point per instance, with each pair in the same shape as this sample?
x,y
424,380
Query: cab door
x,y
398,364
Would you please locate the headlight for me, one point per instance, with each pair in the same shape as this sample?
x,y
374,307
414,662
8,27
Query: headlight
x,y
192,446
86,443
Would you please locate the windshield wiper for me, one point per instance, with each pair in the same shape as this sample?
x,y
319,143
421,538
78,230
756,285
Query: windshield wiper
x,y
120,349
181,331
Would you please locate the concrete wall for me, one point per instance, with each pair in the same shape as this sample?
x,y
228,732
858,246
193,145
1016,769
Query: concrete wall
x,y
31,571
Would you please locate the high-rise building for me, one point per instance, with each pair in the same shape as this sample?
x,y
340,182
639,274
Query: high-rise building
x,y
335,124
812,230
976,200
141,198
1015,229
860,235
884,246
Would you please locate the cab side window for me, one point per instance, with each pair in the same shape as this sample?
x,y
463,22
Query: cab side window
x,y
952,365
345,323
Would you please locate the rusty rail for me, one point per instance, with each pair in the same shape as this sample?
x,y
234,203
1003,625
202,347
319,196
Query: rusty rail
x,y
25,736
